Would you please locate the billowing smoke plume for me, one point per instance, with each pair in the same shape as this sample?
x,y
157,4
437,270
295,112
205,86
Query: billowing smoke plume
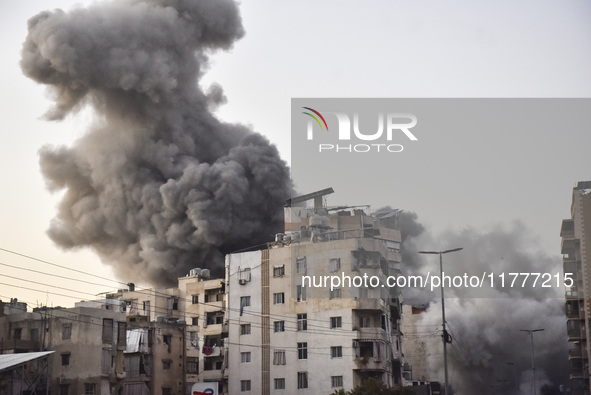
x,y
489,354
157,185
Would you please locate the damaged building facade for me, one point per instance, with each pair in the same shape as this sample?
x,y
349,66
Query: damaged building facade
x,y
286,336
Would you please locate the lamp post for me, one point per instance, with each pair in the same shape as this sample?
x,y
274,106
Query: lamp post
x,y
445,335
533,366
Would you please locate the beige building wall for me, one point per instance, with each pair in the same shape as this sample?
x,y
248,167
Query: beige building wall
x,y
88,345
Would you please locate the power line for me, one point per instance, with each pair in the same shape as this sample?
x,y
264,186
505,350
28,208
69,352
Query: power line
x,y
60,266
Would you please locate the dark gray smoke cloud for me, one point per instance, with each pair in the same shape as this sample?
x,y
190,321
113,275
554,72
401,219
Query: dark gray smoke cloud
x,y
489,354
157,185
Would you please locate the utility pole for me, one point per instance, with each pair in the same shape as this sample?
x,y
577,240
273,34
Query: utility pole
x,y
533,366
445,336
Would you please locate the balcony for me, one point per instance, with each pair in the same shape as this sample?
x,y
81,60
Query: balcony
x,y
575,353
370,333
568,246
211,375
20,345
368,363
573,294
370,304
214,351
567,230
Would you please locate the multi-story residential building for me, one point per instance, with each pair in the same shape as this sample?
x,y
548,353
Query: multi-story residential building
x,y
287,335
155,358
198,305
203,305
88,344
576,250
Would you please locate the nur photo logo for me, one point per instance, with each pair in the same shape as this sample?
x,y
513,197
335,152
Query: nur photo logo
x,y
355,133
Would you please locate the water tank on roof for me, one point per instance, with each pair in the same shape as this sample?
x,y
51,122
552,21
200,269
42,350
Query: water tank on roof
x,y
315,221
279,237
325,221
205,273
195,272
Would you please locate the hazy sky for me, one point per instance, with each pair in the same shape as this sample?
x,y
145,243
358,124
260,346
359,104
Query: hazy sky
x,y
329,49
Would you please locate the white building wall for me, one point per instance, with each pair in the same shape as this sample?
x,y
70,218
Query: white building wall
x,y
250,315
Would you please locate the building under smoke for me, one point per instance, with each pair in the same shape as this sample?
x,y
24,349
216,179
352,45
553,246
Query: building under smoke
x,y
576,261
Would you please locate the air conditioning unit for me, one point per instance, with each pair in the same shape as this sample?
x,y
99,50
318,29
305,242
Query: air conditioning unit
x,y
242,281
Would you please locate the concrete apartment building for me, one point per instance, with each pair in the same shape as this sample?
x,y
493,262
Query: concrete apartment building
x,y
88,343
197,307
287,338
576,250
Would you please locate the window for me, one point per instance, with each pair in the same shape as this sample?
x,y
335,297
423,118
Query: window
x,y
214,317
244,385
279,384
334,264
166,363
301,265
279,357
195,321
245,275
192,365
336,322
107,330
393,245
336,381
244,301
195,299
302,322
301,293
167,339
279,271
278,298
122,333
64,389
193,339
66,331
302,350
65,359
245,329
279,326
335,293
245,357
34,334
336,352
106,361
89,389
17,333
175,303
364,322
302,380
146,306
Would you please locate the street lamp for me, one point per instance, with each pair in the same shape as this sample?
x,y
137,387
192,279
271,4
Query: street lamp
x,y
445,336
533,367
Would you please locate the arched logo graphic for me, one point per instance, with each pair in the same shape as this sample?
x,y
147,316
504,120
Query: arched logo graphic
x,y
316,119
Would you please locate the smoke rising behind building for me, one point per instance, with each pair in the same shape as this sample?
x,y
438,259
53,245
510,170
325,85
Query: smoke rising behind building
x,y
489,354
157,184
